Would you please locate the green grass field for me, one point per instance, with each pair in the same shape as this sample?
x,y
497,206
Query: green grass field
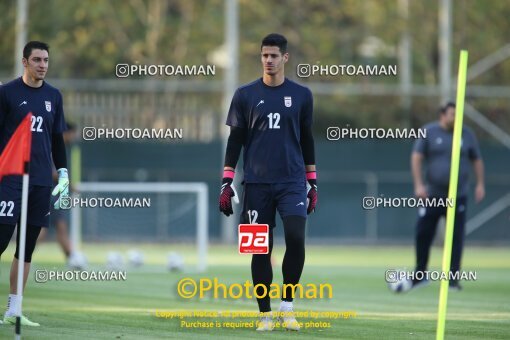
x,y
126,310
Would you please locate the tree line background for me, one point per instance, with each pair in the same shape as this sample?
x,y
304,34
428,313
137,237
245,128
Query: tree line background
x,y
88,38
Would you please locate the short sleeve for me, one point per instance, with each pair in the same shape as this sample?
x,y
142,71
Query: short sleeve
x,y
474,148
420,146
236,113
307,112
59,124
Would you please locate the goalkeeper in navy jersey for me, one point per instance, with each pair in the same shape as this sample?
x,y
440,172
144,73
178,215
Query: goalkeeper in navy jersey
x,y
271,118
30,93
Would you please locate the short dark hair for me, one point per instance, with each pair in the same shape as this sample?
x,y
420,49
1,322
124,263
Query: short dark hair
x,y
34,45
275,39
446,106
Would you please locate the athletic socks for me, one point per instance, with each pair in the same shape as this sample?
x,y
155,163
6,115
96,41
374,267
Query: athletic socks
x,y
12,303
286,306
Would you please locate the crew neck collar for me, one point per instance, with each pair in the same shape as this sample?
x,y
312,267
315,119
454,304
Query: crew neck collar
x,y
273,87
31,87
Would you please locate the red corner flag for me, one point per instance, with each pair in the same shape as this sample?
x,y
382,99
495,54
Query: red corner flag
x,y
17,151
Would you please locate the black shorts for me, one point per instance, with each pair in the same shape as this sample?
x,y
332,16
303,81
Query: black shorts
x,y
38,208
261,201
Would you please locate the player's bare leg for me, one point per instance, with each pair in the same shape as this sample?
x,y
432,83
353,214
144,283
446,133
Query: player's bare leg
x,y
12,302
63,237
42,236
75,259
13,278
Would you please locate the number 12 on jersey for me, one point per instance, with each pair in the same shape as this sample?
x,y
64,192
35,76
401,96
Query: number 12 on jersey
x,y
274,120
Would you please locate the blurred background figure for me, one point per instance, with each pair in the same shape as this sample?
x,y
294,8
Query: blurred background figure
x,y
434,153
60,218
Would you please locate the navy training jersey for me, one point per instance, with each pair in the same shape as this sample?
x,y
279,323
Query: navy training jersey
x,y
45,102
273,117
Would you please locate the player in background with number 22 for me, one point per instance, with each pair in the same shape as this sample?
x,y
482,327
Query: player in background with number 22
x,y
30,93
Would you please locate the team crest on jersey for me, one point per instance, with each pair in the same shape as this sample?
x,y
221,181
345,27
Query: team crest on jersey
x,y
48,106
287,101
